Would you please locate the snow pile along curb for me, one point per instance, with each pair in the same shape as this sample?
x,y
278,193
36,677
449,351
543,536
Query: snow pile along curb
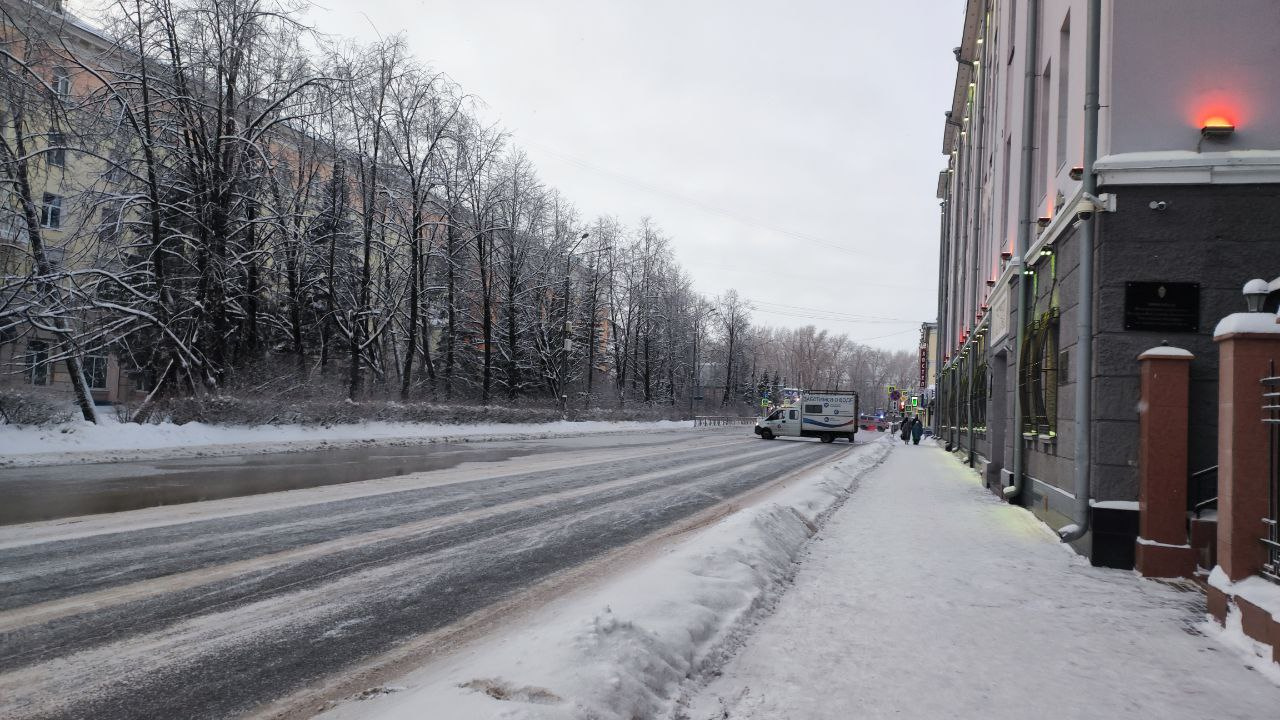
x,y
631,647
113,441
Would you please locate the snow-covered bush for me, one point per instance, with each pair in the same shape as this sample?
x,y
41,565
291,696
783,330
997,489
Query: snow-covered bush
x,y
262,410
18,408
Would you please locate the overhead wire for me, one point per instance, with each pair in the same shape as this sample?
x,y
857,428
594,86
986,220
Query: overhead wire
x,y
701,204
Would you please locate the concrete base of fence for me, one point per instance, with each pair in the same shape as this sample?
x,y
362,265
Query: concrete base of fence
x,y
1164,561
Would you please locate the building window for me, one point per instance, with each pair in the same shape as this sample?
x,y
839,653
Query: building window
x,y
61,83
56,257
1013,31
1064,88
36,366
95,371
51,211
116,172
57,152
110,226
1039,381
1042,141
981,385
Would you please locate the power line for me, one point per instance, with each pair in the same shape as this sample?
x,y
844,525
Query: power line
x,y
635,182
784,309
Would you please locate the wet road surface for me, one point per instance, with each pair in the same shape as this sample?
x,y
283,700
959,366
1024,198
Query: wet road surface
x,y
214,609
47,493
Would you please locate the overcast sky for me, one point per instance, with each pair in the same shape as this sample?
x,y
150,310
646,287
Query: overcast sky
x,y
789,149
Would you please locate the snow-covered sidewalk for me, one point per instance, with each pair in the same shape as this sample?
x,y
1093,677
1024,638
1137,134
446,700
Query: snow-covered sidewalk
x,y
113,441
926,597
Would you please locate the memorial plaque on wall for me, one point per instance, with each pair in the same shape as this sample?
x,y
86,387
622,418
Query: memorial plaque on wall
x,y
1162,307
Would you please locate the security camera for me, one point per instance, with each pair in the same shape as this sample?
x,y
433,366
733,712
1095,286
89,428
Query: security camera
x,y
1091,204
1085,209
1158,205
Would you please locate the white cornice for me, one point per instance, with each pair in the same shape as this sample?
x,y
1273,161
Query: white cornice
x,y
1185,167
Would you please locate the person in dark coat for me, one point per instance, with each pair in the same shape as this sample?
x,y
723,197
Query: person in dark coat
x,y
905,432
917,430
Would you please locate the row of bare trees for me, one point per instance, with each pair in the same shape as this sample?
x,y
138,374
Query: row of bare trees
x,y
233,191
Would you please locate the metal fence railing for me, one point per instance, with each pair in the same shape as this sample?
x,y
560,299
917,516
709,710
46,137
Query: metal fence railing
x,y
1271,416
1202,490
710,420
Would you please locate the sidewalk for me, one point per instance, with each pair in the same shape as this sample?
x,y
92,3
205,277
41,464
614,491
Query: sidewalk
x,y
926,597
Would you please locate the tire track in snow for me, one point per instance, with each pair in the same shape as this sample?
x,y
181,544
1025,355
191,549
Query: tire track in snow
x,y
316,618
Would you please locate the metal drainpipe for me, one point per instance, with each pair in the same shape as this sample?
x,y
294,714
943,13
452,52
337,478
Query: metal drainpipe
x,y
941,324
1084,321
980,124
1024,231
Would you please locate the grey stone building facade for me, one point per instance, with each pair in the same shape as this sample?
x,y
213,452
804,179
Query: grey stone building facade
x,y
1092,129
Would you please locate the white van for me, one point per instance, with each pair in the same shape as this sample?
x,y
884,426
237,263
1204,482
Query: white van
x,y
826,416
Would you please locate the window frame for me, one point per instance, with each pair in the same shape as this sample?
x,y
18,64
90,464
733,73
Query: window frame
x,y
56,149
36,363
105,367
60,82
51,211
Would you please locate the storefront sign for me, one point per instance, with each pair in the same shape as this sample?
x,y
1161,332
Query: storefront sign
x,y
1162,307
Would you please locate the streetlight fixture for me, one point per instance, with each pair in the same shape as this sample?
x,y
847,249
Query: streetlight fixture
x,y
1255,294
567,327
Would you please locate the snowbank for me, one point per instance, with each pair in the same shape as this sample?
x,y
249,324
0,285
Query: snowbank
x,y
83,442
624,650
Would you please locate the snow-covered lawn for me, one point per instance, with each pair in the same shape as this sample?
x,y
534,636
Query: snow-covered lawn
x,y
79,442
922,597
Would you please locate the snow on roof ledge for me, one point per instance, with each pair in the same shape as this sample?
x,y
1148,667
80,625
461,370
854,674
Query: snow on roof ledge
x,y
1183,167
1259,323
1186,158
1165,351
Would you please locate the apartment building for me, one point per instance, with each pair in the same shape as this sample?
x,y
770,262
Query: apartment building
x,y
1112,180
37,111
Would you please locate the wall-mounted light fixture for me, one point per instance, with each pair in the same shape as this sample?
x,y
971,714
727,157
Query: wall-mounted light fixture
x,y
1006,255
991,283
1076,173
1046,252
1043,222
1217,127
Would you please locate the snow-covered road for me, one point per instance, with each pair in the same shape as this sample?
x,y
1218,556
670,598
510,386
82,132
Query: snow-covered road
x,y
222,608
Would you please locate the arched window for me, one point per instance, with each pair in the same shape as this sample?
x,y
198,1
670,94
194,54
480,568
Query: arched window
x,y
1039,382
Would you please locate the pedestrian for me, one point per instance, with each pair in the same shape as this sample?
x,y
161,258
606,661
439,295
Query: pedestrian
x,y
905,433
917,430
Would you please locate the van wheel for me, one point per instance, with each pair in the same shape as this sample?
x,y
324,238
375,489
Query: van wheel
x,y
828,437
766,434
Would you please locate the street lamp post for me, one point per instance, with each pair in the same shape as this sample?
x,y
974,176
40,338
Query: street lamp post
x,y
695,374
565,329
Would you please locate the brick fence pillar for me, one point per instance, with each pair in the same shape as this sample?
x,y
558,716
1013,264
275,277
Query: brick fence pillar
x,y
1162,548
1247,344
